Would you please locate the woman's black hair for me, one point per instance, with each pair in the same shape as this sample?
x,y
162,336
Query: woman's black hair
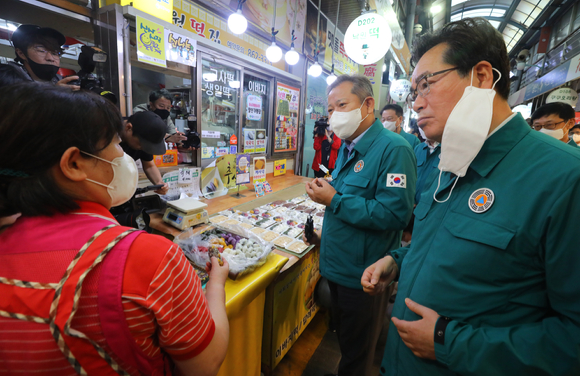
x,y
469,41
39,123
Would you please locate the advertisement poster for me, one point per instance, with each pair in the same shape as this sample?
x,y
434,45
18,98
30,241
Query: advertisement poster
x,y
261,12
193,18
150,42
242,168
287,99
254,108
221,151
259,169
208,152
249,140
180,49
310,33
342,63
316,108
260,140
279,167
290,306
226,166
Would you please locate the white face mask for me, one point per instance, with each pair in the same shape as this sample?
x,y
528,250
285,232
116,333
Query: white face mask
x,y
344,124
125,179
466,131
576,138
558,134
390,125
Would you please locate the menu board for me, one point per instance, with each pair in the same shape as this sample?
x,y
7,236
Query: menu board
x,y
287,105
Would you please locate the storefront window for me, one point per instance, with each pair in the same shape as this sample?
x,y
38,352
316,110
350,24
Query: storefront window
x,y
220,96
255,114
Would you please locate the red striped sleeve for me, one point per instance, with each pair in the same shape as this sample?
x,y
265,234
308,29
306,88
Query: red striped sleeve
x,y
165,305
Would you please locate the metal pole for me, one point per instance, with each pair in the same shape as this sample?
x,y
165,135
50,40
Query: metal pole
x,y
127,67
409,33
317,32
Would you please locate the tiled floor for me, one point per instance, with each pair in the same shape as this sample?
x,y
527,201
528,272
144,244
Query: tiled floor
x,y
316,352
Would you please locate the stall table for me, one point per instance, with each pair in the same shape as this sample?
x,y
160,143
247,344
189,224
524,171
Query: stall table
x,y
270,307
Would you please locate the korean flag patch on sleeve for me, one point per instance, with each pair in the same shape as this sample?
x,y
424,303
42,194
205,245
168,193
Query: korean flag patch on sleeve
x,y
396,180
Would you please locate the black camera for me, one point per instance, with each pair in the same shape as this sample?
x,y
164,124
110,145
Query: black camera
x,y
88,58
320,127
193,140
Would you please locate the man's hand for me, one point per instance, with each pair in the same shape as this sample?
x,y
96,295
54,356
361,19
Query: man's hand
x,y
163,190
418,335
176,138
64,83
379,275
320,191
181,149
316,235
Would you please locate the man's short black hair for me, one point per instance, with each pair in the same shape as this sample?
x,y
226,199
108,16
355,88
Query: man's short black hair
x,y
577,126
395,107
563,110
469,41
158,94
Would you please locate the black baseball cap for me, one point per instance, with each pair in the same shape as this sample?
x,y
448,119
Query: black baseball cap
x,y
150,130
22,35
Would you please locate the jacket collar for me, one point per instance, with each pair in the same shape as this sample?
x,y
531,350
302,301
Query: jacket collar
x,y
498,145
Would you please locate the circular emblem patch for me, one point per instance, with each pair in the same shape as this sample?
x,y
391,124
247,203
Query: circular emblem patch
x,y
359,166
481,200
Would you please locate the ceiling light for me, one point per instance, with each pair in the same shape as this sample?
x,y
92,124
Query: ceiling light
x,y
274,53
315,70
331,78
237,22
436,9
292,57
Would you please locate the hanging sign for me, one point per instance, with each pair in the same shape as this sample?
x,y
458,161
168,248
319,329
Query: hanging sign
x,y
368,38
565,95
150,42
180,49
259,169
254,108
242,168
399,90
260,140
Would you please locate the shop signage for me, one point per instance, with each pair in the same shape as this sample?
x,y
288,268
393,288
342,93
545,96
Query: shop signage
x,y
257,87
226,166
233,149
157,8
242,168
552,80
150,42
233,139
254,107
279,167
564,95
180,49
399,90
221,151
260,140
374,73
249,140
287,99
259,169
205,24
368,38
177,185
208,152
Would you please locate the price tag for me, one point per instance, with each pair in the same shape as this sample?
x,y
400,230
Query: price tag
x,y
210,134
184,175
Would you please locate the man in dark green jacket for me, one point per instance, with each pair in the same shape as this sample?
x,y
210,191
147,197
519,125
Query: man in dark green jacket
x,y
555,119
368,205
392,119
489,285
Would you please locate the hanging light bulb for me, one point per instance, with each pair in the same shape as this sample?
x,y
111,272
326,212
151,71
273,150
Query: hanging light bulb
x,y
237,22
331,78
274,53
292,56
315,70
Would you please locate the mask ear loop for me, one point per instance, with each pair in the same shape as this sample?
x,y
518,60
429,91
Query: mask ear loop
x,y
439,184
499,78
361,106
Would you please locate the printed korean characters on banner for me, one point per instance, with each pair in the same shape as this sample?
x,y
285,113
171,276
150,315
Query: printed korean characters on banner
x,y
242,169
205,24
180,49
259,169
374,72
226,166
260,140
249,140
254,108
287,106
150,42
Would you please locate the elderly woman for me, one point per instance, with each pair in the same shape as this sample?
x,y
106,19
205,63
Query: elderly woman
x,y
81,294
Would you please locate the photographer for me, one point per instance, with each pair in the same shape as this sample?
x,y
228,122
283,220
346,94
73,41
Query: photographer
x,y
326,145
142,137
38,51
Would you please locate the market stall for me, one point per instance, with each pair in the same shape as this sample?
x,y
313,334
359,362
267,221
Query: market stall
x,y
269,307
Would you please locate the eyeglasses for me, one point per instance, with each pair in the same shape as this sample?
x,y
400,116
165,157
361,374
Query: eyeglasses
x,y
43,51
424,87
549,126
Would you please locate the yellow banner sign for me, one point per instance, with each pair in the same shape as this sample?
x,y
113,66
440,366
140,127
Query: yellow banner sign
x,y
207,25
150,42
279,167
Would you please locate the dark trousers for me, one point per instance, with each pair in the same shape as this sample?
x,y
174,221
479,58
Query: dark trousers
x,y
358,319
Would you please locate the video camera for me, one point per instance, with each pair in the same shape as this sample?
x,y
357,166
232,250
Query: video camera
x,y
88,59
320,127
193,140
